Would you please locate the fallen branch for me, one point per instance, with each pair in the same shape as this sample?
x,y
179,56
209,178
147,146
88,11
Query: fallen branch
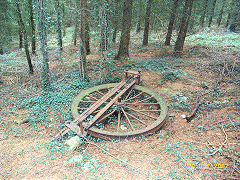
x,y
193,114
190,117
198,104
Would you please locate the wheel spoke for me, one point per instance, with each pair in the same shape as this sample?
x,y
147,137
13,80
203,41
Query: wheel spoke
x,y
144,103
136,118
100,93
88,101
141,113
134,96
127,119
129,94
97,111
119,118
104,117
93,97
144,99
92,102
149,110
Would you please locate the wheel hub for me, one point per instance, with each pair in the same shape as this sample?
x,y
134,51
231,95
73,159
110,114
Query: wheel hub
x,y
120,104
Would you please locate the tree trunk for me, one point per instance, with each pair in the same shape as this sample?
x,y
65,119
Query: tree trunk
x,y
105,29
171,22
85,26
87,38
115,20
204,13
114,35
138,26
1,41
229,13
236,17
3,21
192,20
212,13
32,27
20,38
126,29
219,20
20,35
75,31
83,59
183,27
59,25
147,23
63,17
76,28
46,85
1,49
25,37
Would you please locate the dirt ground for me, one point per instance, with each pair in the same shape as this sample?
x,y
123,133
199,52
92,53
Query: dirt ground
x,y
206,148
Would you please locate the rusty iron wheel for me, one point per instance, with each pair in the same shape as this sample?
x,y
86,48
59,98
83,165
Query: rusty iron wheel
x,y
139,112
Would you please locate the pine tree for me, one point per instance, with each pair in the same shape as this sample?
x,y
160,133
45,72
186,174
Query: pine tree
x,y
45,77
229,13
171,22
123,51
212,13
139,20
105,26
32,27
23,29
147,23
85,26
59,25
184,26
204,13
219,20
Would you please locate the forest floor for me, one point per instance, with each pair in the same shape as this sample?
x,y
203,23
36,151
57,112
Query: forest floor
x,y
206,148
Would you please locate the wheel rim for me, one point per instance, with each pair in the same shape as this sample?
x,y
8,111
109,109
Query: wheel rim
x,y
80,103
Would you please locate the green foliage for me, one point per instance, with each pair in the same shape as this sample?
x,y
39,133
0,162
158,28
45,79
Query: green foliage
x,y
216,92
215,105
41,106
163,65
113,71
215,39
53,107
171,75
158,65
180,101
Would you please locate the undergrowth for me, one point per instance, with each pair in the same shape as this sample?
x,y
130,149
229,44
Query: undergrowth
x,y
212,38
